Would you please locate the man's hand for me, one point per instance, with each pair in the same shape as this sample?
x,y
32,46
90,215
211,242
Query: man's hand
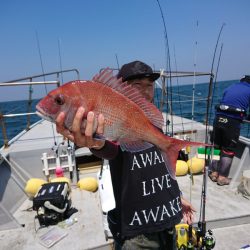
x,y
187,211
81,135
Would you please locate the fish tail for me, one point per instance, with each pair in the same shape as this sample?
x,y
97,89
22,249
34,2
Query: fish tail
x,y
170,151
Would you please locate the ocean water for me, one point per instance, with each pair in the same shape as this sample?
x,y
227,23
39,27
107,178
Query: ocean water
x,y
191,102
182,105
14,125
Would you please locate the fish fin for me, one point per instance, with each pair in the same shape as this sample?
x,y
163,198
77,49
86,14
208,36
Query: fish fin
x,y
171,151
134,146
106,77
170,162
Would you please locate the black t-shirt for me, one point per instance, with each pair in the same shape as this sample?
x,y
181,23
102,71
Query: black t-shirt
x,y
147,198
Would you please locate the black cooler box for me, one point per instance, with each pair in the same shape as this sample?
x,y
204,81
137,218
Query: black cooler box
x,y
52,202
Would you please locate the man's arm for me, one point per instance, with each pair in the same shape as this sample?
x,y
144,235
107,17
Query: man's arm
x,y
108,151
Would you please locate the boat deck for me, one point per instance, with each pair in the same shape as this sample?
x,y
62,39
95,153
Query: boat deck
x,y
86,233
227,212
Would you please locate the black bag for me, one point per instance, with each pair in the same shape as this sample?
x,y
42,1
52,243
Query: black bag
x,y
52,203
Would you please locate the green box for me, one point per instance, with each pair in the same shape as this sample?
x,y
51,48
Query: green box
x,y
215,152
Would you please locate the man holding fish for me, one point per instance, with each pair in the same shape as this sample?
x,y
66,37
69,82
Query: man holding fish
x,y
123,126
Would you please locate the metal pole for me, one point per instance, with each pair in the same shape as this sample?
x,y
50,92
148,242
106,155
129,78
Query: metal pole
x,y
29,106
5,138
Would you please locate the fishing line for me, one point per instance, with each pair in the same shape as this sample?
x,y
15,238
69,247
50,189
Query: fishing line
x,y
194,78
62,81
168,66
41,61
60,58
192,112
20,107
178,93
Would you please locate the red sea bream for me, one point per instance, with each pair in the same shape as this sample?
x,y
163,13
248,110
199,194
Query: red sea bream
x,y
130,120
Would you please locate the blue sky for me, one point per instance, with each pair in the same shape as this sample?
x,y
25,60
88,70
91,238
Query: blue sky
x,y
93,32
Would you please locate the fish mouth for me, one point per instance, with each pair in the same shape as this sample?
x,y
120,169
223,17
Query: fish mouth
x,y
43,114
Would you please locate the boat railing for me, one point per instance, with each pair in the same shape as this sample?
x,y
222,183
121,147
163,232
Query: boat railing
x,y
8,84
57,73
30,81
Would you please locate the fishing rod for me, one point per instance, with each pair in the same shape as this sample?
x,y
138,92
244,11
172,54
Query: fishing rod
x,y
60,58
41,61
168,66
194,78
46,90
70,149
117,62
178,93
207,238
62,143
211,82
215,83
190,243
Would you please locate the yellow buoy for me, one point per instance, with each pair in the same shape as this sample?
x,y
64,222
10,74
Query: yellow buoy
x,y
196,165
33,185
88,184
181,168
62,179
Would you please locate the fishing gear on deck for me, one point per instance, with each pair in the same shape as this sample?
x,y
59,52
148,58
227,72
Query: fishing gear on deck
x,y
52,203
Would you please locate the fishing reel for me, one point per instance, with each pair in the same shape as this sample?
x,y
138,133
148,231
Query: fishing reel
x,y
208,240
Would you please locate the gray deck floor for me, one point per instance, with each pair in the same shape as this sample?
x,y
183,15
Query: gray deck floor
x,y
223,203
232,238
227,214
87,233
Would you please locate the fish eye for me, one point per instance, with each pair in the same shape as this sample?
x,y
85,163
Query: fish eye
x,y
59,100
